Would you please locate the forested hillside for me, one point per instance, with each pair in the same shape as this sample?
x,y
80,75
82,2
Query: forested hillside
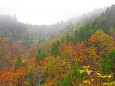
x,y
80,53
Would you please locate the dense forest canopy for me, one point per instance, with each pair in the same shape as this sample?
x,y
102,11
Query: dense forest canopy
x,y
76,52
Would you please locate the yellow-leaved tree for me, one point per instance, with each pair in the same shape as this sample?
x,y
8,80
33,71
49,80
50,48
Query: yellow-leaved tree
x,y
101,42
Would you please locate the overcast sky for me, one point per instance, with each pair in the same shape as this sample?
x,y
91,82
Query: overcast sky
x,y
49,11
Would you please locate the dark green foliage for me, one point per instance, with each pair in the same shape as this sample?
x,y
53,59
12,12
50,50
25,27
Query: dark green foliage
x,y
108,64
55,49
67,80
69,38
40,55
19,63
58,43
30,79
74,76
105,66
80,35
111,55
62,41
24,64
104,22
84,33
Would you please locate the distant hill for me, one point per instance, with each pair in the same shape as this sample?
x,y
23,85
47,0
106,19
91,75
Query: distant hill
x,y
10,27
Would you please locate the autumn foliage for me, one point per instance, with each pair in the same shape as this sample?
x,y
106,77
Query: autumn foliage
x,y
86,63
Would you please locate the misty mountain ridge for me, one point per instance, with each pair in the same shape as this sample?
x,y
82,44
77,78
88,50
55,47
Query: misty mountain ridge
x,y
20,31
